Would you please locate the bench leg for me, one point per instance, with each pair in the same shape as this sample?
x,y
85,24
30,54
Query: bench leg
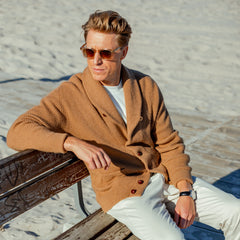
x,y
78,196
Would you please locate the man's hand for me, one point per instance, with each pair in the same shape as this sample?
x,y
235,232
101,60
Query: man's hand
x,y
93,156
185,210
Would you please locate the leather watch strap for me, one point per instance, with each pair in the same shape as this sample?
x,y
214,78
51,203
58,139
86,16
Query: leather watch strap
x,y
186,193
190,193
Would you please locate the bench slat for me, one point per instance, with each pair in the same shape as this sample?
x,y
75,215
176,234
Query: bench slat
x,y
34,193
117,232
89,228
132,238
24,166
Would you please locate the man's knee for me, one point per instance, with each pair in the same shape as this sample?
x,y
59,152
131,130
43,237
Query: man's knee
x,y
233,210
231,219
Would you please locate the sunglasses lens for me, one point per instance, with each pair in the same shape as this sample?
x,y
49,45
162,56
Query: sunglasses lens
x,y
105,54
89,53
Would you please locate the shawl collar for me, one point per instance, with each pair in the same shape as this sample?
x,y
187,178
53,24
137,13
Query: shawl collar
x,y
133,100
103,103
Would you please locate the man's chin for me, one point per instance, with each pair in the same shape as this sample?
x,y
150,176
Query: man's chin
x,y
98,77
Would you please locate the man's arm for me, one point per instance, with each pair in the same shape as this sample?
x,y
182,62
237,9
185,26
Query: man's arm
x,y
171,148
41,127
169,144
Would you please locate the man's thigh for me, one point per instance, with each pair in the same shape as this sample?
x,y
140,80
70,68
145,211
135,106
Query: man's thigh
x,y
146,216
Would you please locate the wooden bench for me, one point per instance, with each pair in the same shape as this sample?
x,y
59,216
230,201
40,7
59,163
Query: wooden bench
x,y
28,178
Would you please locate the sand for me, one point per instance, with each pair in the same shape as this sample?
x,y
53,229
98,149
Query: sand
x,y
191,48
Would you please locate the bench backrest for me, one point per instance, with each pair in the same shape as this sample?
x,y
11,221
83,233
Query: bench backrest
x,y
30,177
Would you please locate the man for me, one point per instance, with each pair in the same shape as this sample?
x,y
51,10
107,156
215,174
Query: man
x,y
115,120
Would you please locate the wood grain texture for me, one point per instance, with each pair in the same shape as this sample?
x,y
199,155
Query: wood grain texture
x,y
89,228
24,166
133,238
40,188
117,232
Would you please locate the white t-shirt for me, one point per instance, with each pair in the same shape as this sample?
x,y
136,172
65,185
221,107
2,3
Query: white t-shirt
x,y
117,95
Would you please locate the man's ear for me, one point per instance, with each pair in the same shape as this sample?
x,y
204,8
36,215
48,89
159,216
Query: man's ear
x,y
124,52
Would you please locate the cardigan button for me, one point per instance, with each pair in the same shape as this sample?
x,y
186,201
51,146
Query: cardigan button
x,y
139,153
133,191
140,181
141,118
105,115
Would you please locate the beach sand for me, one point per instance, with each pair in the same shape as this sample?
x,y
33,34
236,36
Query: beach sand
x,y
190,48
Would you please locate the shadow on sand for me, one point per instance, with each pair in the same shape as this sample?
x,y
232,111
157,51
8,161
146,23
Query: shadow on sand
x,y
41,79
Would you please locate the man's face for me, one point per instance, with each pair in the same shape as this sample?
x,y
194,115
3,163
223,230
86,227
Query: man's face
x,y
106,71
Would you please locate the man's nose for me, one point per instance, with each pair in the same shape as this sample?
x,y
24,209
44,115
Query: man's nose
x,y
97,58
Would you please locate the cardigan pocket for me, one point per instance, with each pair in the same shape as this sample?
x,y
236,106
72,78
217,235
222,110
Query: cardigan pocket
x,y
102,179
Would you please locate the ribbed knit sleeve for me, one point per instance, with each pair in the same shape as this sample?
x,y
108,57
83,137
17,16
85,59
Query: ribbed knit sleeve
x,y
169,144
41,127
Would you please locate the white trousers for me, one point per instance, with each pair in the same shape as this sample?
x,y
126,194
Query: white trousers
x,y
149,216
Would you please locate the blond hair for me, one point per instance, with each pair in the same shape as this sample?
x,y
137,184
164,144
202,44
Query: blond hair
x,y
109,22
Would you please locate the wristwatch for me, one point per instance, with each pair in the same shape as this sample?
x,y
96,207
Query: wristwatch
x,y
191,193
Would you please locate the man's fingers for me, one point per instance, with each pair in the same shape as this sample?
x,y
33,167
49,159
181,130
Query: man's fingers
x,y
192,220
102,159
93,156
99,160
108,161
91,164
176,218
183,221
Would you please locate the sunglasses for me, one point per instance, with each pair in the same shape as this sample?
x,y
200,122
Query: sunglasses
x,y
104,53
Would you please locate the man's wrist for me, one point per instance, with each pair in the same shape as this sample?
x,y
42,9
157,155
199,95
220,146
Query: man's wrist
x,y
69,143
191,193
184,185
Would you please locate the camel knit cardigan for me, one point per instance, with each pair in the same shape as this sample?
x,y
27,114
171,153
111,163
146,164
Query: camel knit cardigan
x,y
81,107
